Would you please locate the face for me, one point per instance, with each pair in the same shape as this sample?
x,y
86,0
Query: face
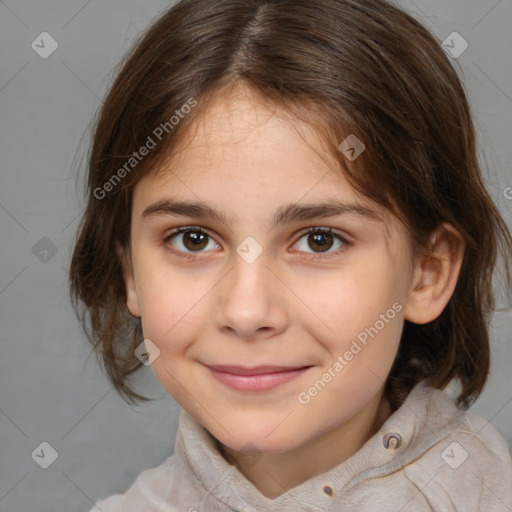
x,y
278,311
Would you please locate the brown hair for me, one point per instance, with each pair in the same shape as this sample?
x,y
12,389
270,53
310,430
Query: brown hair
x,y
360,67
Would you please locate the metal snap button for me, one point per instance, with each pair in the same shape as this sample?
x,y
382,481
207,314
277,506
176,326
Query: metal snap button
x,y
328,490
392,440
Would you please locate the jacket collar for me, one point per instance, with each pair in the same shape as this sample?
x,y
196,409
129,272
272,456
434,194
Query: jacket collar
x,y
426,416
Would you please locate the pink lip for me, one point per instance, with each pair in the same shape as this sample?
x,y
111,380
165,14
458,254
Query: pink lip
x,y
261,378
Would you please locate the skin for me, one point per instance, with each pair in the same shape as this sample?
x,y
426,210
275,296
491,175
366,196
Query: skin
x,y
293,306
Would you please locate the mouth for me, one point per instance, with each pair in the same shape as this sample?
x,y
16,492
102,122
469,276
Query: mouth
x,y
260,378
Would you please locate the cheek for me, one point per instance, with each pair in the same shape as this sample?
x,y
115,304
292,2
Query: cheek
x,y
171,309
364,313
350,306
172,317
359,363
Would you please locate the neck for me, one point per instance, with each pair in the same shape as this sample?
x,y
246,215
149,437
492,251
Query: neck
x,y
277,473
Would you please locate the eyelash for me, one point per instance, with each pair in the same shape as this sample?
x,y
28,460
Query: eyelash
x,y
196,229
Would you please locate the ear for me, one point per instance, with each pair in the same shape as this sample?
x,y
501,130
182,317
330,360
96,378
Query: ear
x,y
435,275
132,301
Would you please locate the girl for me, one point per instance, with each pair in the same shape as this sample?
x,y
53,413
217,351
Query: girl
x,y
287,220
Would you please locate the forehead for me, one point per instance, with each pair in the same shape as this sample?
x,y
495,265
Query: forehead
x,y
243,149
241,137
239,125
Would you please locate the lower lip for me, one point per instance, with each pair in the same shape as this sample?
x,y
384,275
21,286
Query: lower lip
x,y
260,382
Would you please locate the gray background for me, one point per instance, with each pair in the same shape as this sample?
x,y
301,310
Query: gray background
x,y
49,389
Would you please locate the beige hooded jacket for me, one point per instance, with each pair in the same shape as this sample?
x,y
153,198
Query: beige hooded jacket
x,y
428,456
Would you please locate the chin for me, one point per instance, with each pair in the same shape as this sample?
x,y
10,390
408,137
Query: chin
x,y
253,435
252,445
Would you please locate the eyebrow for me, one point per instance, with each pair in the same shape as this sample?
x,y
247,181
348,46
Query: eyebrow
x,y
285,214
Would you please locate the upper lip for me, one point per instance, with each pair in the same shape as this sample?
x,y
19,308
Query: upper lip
x,y
255,370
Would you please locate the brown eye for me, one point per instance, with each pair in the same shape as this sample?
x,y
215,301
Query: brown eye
x,y
318,241
190,239
195,240
321,241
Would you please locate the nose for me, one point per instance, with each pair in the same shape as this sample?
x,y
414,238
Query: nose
x,y
250,300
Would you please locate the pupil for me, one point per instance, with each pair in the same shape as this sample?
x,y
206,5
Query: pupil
x,y
196,238
320,239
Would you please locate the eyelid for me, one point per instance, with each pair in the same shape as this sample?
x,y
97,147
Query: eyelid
x,y
301,233
185,229
314,229
324,229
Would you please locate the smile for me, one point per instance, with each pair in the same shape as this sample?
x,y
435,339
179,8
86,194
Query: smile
x,y
263,378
